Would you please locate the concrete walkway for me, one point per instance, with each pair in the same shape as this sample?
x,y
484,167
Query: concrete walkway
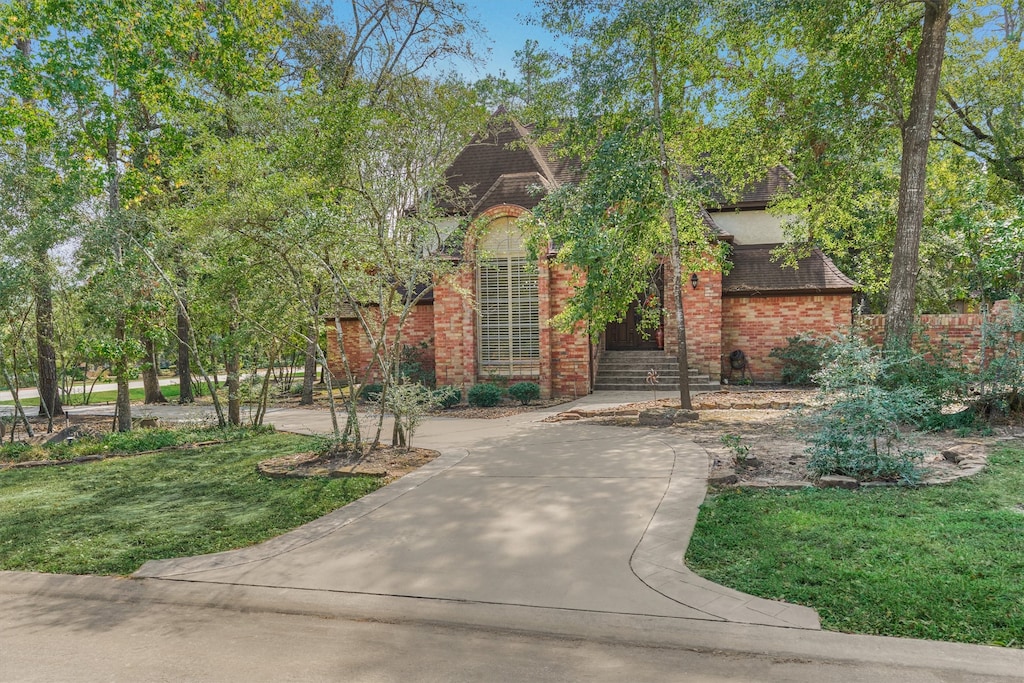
x,y
515,512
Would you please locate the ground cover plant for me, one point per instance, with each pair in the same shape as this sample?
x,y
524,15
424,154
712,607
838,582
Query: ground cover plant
x,y
109,517
940,562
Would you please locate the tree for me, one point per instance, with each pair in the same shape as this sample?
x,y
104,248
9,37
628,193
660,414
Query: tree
x,y
646,80
848,75
40,181
980,106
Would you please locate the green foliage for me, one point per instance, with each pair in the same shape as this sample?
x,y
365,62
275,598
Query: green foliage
x,y
936,562
448,396
412,366
371,392
1004,342
409,403
801,358
860,430
109,517
734,442
524,392
125,443
484,395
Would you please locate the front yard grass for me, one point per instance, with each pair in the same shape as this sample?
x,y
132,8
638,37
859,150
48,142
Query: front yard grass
x,y
940,562
110,517
170,392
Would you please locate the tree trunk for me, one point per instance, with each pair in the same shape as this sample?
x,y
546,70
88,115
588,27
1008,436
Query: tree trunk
x,y
917,129
150,374
232,368
124,402
313,335
184,359
675,249
49,386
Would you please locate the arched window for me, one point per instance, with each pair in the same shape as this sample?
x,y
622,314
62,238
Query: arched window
x,y
509,329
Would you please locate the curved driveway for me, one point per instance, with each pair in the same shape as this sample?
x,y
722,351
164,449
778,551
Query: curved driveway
x,y
515,512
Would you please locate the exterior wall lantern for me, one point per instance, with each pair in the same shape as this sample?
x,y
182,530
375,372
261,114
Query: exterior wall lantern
x,y
694,281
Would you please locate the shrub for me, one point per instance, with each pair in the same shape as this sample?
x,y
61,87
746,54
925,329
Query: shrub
x,y
858,433
484,395
524,392
371,392
801,358
409,403
412,365
448,396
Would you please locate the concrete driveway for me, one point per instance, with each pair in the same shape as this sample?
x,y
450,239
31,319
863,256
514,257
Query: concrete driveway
x,y
516,512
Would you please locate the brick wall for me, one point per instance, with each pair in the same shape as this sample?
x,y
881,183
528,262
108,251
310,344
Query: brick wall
x,y
570,351
418,329
961,331
702,308
455,329
756,325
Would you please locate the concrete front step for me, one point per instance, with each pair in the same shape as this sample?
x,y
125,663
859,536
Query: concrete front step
x,y
637,372
661,388
627,371
637,367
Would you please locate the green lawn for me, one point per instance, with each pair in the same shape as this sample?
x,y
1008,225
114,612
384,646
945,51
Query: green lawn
x,y
170,391
109,517
940,562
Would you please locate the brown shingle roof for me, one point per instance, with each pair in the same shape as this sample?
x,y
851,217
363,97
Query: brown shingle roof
x,y
754,274
503,164
757,194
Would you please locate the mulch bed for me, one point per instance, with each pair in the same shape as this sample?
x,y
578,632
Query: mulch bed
x,y
387,462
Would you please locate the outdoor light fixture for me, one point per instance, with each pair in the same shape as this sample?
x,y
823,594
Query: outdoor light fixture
x,y
694,281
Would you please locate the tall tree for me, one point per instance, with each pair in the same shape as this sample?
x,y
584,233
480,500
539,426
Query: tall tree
x,y
39,179
849,76
646,81
916,131
980,105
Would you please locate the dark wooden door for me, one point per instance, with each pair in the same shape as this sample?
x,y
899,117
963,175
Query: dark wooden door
x,y
624,336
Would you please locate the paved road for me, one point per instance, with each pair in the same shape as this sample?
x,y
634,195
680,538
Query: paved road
x,y
84,629
527,551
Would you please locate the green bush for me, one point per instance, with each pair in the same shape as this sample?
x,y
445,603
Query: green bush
x,y
801,358
409,403
448,396
524,392
371,392
484,395
860,431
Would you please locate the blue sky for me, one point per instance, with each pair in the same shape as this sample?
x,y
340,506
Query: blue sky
x,y
506,31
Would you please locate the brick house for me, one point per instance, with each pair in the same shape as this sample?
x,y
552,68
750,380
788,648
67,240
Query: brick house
x,y
490,319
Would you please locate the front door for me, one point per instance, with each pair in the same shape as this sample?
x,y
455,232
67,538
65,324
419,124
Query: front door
x,y
624,336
